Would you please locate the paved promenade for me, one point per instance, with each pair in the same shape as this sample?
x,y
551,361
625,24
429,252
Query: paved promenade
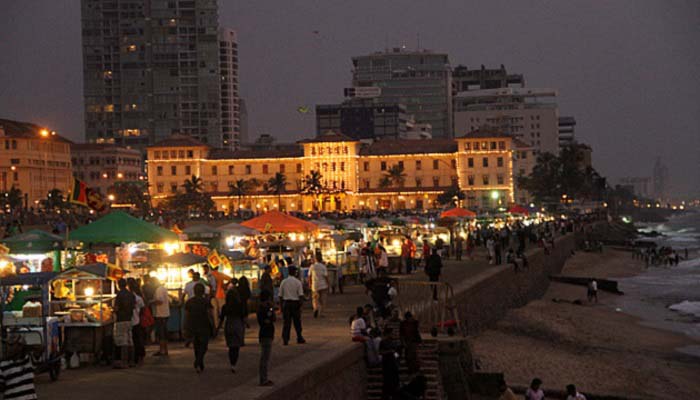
x,y
174,377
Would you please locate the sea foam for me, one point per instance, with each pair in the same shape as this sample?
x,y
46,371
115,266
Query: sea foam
x,y
687,307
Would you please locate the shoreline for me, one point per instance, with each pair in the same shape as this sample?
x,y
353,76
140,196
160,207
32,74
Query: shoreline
x,y
601,350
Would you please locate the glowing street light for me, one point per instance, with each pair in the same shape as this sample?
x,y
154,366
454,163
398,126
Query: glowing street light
x,y
44,133
111,197
495,195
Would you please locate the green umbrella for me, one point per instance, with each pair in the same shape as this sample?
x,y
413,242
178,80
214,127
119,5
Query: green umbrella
x,y
33,242
120,227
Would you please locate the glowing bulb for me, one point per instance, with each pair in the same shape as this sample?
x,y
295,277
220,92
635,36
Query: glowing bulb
x,y
89,291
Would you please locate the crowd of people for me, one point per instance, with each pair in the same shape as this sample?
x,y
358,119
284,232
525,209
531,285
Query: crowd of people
x,y
664,255
535,391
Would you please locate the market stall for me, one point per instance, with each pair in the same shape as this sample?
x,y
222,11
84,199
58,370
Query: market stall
x,y
82,300
35,251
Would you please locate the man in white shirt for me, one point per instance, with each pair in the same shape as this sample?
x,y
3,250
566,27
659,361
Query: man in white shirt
x,y
161,313
319,282
291,294
188,292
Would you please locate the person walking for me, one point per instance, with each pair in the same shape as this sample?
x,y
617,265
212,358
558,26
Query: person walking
x,y
199,322
433,269
266,281
409,332
592,290
382,259
137,331
233,315
291,295
319,282
124,305
244,291
266,322
368,268
161,313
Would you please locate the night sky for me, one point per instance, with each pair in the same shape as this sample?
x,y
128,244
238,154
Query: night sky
x,y
628,70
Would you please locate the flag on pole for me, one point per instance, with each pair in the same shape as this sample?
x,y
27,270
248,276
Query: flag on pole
x,y
79,193
214,259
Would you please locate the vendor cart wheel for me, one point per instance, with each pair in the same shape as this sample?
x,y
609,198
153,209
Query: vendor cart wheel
x,y
54,370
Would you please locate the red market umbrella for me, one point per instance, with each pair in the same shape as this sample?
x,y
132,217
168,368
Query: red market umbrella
x,y
275,221
458,212
516,209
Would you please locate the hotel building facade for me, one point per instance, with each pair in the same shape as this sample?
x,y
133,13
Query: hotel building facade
x,y
355,174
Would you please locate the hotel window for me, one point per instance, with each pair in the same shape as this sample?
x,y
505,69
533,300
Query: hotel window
x,y
436,181
418,165
484,145
281,168
485,161
454,181
313,151
342,166
188,170
173,154
299,168
467,146
470,162
159,171
320,151
454,164
383,167
345,150
333,167
230,169
265,170
14,145
493,145
325,167
476,146
401,164
156,155
248,169
470,180
499,179
159,188
190,154
436,164
485,179
173,188
523,155
367,183
501,145
214,170
499,161
173,170
419,182
181,153
15,176
365,166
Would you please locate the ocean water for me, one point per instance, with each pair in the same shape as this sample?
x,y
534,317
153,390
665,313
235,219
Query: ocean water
x,y
669,297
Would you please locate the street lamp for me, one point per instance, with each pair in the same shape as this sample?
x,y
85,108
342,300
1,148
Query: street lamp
x,y
110,197
44,133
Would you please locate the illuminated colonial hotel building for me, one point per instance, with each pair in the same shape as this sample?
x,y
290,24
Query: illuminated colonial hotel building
x,y
483,164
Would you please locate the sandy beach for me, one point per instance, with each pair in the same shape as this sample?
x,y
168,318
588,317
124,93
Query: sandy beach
x,y
601,350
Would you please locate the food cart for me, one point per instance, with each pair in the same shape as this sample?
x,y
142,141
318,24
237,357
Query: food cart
x,y
82,299
31,327
35,251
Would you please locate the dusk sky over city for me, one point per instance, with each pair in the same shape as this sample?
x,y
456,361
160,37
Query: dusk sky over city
x,y
628,71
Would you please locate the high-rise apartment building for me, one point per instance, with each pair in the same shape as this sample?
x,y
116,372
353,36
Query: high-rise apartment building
x,y
465,79
153,68
567,131
420,80
530,114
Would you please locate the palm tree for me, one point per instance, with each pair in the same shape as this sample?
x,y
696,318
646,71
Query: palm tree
x,y
277,184
395,176
239,188
313,185
13,198
193,185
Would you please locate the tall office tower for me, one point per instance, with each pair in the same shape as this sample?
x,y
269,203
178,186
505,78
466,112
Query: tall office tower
x,y
151,68
362,119
420,80
530,114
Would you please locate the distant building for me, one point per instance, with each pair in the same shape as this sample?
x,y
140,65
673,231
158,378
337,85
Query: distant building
x,y
465,80
660,180
640,186
101,165
567,134
421,80
527,113
362,119
34,160
156,68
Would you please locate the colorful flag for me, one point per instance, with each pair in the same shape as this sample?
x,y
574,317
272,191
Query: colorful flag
x,y
214,259
95,200
79,193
